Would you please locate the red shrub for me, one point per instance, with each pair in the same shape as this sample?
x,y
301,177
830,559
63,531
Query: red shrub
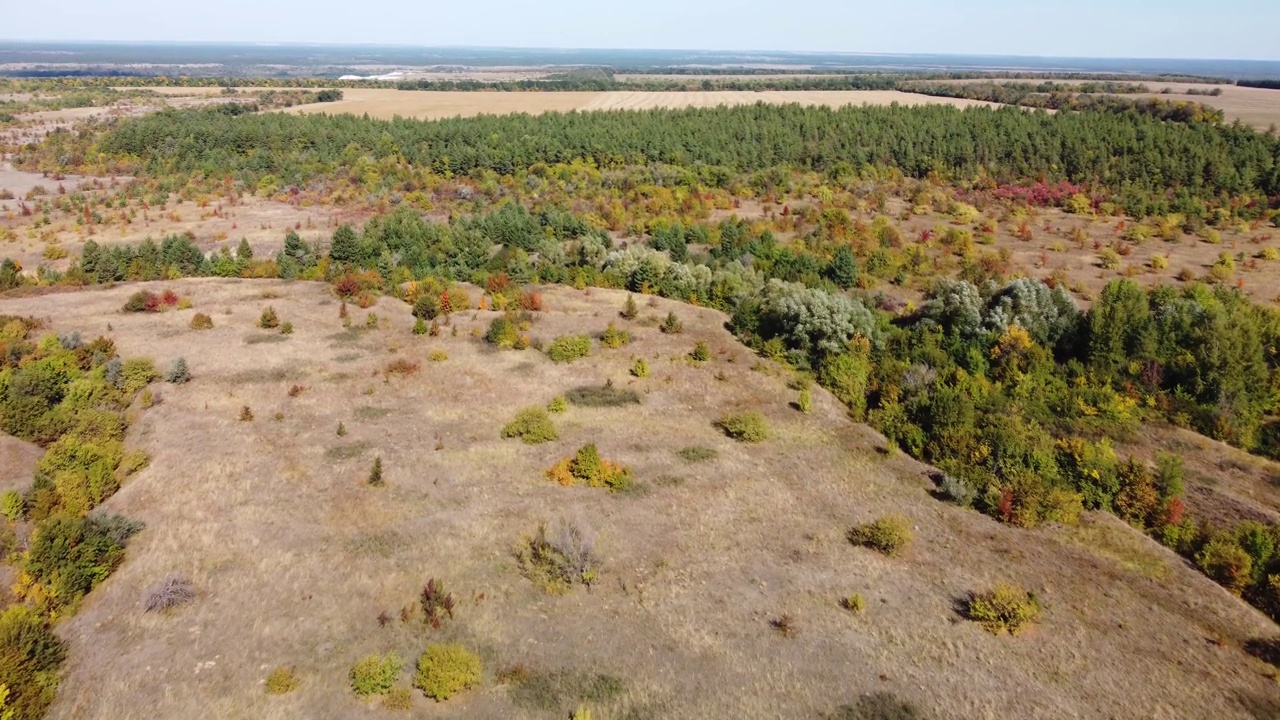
x,y
153,302
1006,504
1174,511
531,301
169,298
497,283
346,286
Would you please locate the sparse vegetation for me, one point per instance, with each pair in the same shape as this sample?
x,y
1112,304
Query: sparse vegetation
x,y
697,453
201,321
671,325
854,603
889,534
602,396
613,338
701,353
375,474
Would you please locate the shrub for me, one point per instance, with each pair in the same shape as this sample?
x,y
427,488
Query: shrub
x,y
1005,607
613,338
556,562
375,475
371,321
375,674
427,307
177,372
30,655
436,603
200,321
672,325
11,505
246,415
342,429
504,332
805,402
888,534
568,348
747,427
854,603
286,328
419,327
445,670
1226,562
135,374
701,353
877,706
557,405
437,356
629,309
640,369
586,466
531,301
169,593
268,319
69,556
402,367
143,301
532,425
602,396
281,681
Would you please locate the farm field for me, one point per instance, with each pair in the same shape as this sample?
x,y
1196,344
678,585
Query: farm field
x,y
428,105
696,562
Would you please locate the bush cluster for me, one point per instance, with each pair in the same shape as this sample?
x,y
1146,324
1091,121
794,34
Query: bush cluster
x,y
747,427
375,674
587,467
568,348
532,425
1004,608
446,670
889,534
555,561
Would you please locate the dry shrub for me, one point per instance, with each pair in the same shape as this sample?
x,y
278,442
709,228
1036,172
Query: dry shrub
x,y
436,603
297,390
201,321
281,680
402,367
554,562
398,699
169,593
531,301
602,396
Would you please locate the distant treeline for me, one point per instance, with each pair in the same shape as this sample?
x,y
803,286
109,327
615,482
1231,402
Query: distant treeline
x,y
1097,96
1148,166
1266,84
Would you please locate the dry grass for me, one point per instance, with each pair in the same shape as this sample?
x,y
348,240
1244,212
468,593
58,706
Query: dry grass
x,y
430,105
295,559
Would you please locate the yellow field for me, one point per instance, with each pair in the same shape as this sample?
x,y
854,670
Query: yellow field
x,y
383,103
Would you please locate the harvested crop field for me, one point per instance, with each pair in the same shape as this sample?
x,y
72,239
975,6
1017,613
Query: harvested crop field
x,y
430,105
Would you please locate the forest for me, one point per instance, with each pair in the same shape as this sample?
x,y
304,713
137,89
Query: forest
x,y
1145,165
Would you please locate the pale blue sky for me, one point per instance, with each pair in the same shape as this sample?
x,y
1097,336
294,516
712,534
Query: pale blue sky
x,y
1111,28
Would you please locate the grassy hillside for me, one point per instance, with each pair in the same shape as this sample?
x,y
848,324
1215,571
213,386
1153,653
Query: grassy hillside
x,y
720,573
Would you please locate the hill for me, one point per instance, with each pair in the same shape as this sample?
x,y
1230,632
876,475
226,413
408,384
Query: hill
x,y
720,570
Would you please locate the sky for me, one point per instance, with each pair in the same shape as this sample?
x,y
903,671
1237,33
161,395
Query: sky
x,y
1236,29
